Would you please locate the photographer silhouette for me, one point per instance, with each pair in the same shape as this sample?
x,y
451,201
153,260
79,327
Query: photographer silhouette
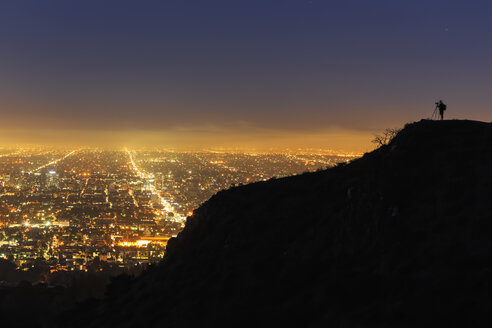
x,y
441,107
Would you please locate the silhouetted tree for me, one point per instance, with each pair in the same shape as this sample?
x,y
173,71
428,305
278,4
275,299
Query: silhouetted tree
x,y
386,137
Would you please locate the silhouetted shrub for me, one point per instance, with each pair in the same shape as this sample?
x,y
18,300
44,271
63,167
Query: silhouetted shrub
x,y
386,137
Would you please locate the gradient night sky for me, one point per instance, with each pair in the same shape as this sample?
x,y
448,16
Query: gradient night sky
x,y
247,73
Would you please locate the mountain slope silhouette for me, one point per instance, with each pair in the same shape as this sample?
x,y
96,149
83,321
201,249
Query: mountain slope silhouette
x,y
401,237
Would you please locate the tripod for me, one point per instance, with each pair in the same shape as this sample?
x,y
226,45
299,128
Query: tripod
x,y
435,114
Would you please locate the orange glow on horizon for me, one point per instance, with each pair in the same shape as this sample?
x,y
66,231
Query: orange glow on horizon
x,y
254,141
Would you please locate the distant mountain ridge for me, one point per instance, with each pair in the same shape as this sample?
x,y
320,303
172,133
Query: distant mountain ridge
x,y
401,237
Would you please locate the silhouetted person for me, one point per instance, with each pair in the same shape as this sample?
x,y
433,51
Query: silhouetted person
x,y
442,107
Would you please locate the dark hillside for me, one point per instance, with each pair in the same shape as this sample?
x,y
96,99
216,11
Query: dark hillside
x,y
401,237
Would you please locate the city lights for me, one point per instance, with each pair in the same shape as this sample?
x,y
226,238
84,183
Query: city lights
x,y
76,209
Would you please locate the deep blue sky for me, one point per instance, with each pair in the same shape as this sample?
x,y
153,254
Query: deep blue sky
x,y
213,68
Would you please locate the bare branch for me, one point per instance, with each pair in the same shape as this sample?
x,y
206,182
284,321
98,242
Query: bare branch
x,y
386,137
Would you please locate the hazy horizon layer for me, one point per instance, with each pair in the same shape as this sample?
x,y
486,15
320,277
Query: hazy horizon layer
x,y
192,140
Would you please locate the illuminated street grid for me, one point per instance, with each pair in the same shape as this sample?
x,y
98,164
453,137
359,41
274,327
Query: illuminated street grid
x,y
84,209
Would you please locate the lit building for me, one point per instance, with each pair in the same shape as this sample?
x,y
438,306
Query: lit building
x,y
52,180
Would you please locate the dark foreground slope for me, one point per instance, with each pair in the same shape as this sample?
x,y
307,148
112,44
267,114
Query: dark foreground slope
x,y
400,237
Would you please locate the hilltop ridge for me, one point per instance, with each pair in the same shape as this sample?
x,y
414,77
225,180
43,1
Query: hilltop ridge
x,y
400,237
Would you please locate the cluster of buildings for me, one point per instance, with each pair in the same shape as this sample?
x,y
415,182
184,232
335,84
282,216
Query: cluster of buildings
x,y
92,210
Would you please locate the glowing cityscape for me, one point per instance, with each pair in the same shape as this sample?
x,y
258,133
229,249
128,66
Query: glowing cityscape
x,y
99,210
